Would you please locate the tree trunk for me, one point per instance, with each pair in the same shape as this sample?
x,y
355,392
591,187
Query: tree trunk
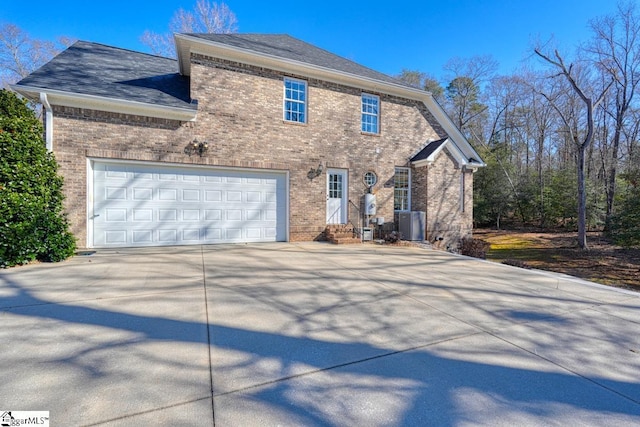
x,y
582,199
611,185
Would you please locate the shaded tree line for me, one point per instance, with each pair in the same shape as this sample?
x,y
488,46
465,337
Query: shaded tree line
x,y
560,136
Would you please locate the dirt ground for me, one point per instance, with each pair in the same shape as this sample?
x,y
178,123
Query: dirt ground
x,y
603,263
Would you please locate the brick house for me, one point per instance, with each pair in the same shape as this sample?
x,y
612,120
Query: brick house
x,y
245,138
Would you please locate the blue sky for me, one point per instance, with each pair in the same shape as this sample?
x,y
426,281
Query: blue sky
x,y
386,36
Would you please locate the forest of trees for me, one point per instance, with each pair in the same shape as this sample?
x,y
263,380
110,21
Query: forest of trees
x,y
564,128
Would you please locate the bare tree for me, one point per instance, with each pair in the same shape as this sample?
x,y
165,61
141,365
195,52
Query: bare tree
x,y
20,54
206,17
479,68
571,118
616,51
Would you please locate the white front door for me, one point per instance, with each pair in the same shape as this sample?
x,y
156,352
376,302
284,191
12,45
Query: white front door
x,y
336,196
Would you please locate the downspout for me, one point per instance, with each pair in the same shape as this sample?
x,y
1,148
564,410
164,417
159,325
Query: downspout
x,y
48,121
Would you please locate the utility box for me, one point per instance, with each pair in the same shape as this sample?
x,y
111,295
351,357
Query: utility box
x,y
370,204
411,225
367,234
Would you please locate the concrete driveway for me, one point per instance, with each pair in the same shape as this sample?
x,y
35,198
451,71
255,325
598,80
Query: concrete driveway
x,y
314,334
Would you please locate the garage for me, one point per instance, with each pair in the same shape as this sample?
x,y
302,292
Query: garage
x,y
156,205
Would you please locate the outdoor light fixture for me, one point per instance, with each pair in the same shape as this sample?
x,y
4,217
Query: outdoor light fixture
x,y
196,147
314,173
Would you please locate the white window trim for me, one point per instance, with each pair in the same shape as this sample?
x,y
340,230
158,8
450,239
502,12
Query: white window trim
x,y
462,190
377,115
285,99
408,189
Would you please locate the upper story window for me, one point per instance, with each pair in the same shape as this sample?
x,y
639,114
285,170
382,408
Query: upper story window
x,y
295,100
370,113
402,189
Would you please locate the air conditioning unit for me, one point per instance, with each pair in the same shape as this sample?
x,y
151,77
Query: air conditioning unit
x,y
411,225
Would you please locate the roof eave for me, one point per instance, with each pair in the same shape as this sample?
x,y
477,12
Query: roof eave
x,y
100,103
186,44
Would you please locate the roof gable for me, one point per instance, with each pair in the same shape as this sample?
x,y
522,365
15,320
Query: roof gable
x,y
293,49
108,73
431,151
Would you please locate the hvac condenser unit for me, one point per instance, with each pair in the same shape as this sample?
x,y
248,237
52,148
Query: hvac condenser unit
x,y
411,225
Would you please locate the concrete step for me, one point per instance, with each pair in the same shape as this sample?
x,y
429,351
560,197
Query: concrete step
x,y
345,240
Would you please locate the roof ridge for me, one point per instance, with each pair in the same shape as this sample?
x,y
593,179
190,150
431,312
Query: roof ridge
x,y
256,38
124,49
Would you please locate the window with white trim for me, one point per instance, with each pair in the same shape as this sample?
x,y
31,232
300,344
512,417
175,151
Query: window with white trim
x,y
402,189
295,100
370,113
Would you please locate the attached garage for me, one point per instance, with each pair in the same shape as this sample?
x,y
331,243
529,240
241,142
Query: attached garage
x,y
135,204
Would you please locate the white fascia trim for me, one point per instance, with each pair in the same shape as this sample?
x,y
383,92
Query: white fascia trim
x,y
100,103
458,139
48,120
432,157
188,44
458,156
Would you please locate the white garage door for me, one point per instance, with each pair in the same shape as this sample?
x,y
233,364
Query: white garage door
x,y
150,205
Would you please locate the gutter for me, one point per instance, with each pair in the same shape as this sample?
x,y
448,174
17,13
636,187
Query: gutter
x,y
48,121
101,103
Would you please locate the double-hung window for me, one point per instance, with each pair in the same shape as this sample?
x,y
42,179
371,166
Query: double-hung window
x,y
295,100
370,114
402,189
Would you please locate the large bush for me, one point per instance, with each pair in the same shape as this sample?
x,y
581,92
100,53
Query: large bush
x,y
32,222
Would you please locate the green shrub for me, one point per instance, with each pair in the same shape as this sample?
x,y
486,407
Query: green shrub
x,y
32,223
624,226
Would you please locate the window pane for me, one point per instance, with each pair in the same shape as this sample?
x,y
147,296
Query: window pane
x,y
370,113
294,102
401,189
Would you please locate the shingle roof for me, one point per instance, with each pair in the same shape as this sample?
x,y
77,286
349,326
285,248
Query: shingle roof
x,y
105,71
428,150
287,47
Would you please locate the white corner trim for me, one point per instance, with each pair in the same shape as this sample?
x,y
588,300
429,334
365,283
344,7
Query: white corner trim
x,y
90,198
48,121
113,105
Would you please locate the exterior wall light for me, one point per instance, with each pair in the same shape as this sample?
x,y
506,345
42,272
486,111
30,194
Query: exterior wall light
x,y
314,173
196,147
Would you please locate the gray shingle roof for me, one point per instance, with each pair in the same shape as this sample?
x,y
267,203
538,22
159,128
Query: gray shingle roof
x,y
428,150
287,47
105,71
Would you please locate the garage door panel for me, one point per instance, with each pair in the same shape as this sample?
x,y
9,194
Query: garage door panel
x,y
140,205
142,236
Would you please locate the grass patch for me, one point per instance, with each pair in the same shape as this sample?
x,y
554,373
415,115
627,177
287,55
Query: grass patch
x,y
604,263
